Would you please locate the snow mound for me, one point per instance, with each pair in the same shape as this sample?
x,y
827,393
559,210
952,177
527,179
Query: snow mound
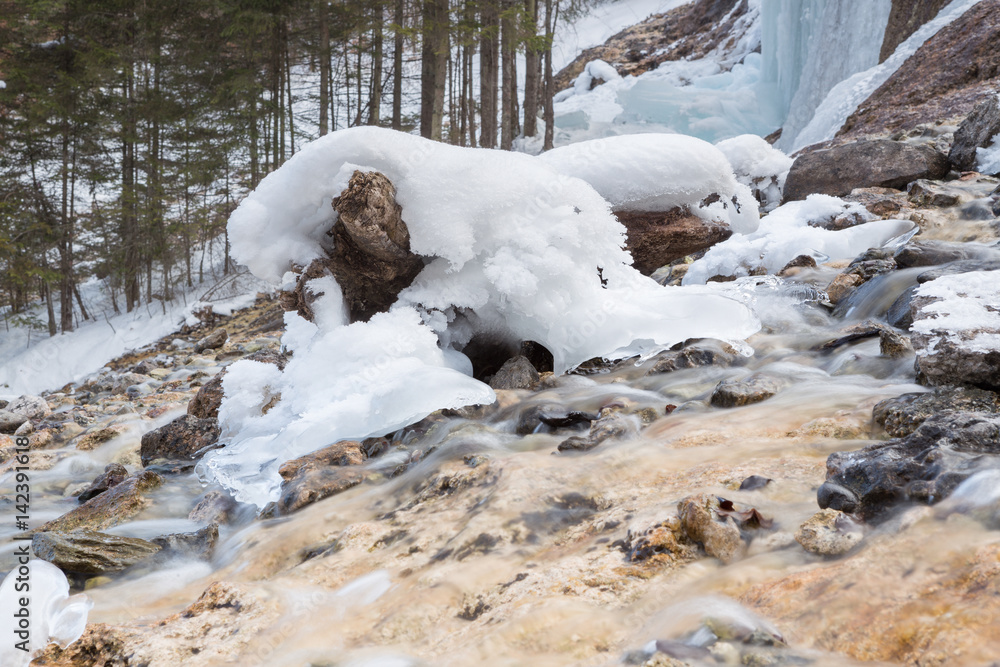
x,y
758,165
658,172
55,616
786,233
514,249
595,70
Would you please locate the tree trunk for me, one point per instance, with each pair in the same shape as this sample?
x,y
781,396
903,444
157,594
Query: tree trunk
x,y
375,100
324,68
130,223
397,68
532,69
434,64
489,72
508,84
549,113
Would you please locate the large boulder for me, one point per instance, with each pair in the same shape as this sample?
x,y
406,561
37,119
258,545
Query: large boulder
x,y
902,415
862,164
956,330
186,438
976,131
923,467
932,253
323,473
655,239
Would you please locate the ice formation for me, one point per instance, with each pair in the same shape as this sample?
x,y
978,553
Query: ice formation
x,y
809,46
513,249
845,97
658,172
989,157
967,311
55,616
786,233
758,165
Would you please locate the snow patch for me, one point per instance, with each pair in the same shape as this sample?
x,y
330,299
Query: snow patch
x,y
989,157
967,311
758,165
786,233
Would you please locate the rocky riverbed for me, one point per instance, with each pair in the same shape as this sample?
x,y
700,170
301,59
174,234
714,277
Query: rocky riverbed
x,y
807,504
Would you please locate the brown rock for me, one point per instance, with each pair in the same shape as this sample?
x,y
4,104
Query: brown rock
x,y
311,486
883,163
720,537
829,533
945,79
214,507
842,285
344,453
735,393
905,17
371,260
205,404
113,475
516,373
184,439
213,341
656,239
116,505
90,552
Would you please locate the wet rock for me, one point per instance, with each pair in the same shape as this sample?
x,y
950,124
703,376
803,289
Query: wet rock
x,y
516,373
529,419
899,314
186,438
696,355
902,415
799,262
309,487
893,344
665,540
829,533
976,131
113,475
881,162
960,266
567,419
923,467
116,505
90,552
930,193
215,507
609,425
754,482
655,239
199,544
735,393
931,253
842,285
344,453
719,536
212,341
321,474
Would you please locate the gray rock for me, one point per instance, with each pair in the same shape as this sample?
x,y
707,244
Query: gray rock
x,y
899,314
922,467
698,354
976,131
719,536
199,544
516,373
113,475
960,266
10,421
215,507
947,357
213,341
90,552
31,407
882,163
186,438
735,393
902,415
121,383
829,533
611,424
894,345
931,253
